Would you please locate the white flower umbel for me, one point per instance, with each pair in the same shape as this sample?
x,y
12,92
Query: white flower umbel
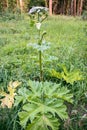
x,y
38,25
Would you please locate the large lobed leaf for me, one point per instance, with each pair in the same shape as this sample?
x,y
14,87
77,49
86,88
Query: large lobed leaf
x,y
44,122
68,76
44,104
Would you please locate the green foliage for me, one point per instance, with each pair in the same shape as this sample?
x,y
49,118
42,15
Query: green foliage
x,y
68,76
43,103
36,3
85,29
19,62
77,120
9,15
8,119
84,15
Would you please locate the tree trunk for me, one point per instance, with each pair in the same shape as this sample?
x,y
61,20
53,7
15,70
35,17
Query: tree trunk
x,y
64,7
81,6
68,8
46,3
72,2
50,7
74,7
21,5
17,3
7,3
78,5
55,8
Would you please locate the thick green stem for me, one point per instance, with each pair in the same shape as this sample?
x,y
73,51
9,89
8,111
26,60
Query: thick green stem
x,y
40,59
40,63
40,55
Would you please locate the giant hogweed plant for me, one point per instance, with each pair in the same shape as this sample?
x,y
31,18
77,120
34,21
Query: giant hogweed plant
x,y
37,16
43,102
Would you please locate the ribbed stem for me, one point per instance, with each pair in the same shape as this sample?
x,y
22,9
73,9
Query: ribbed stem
x,y
40,63
40,60
40,56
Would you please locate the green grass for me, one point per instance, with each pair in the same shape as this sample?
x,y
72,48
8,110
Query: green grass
x,y
68,45
66,35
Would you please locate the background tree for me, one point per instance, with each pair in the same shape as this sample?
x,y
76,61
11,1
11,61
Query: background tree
x,y
65,7
21,5
74,7
50,7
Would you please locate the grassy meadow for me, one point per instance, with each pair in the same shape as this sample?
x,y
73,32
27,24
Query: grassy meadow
x,y
67,37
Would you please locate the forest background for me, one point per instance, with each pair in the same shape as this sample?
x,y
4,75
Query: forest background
x,y
65,7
